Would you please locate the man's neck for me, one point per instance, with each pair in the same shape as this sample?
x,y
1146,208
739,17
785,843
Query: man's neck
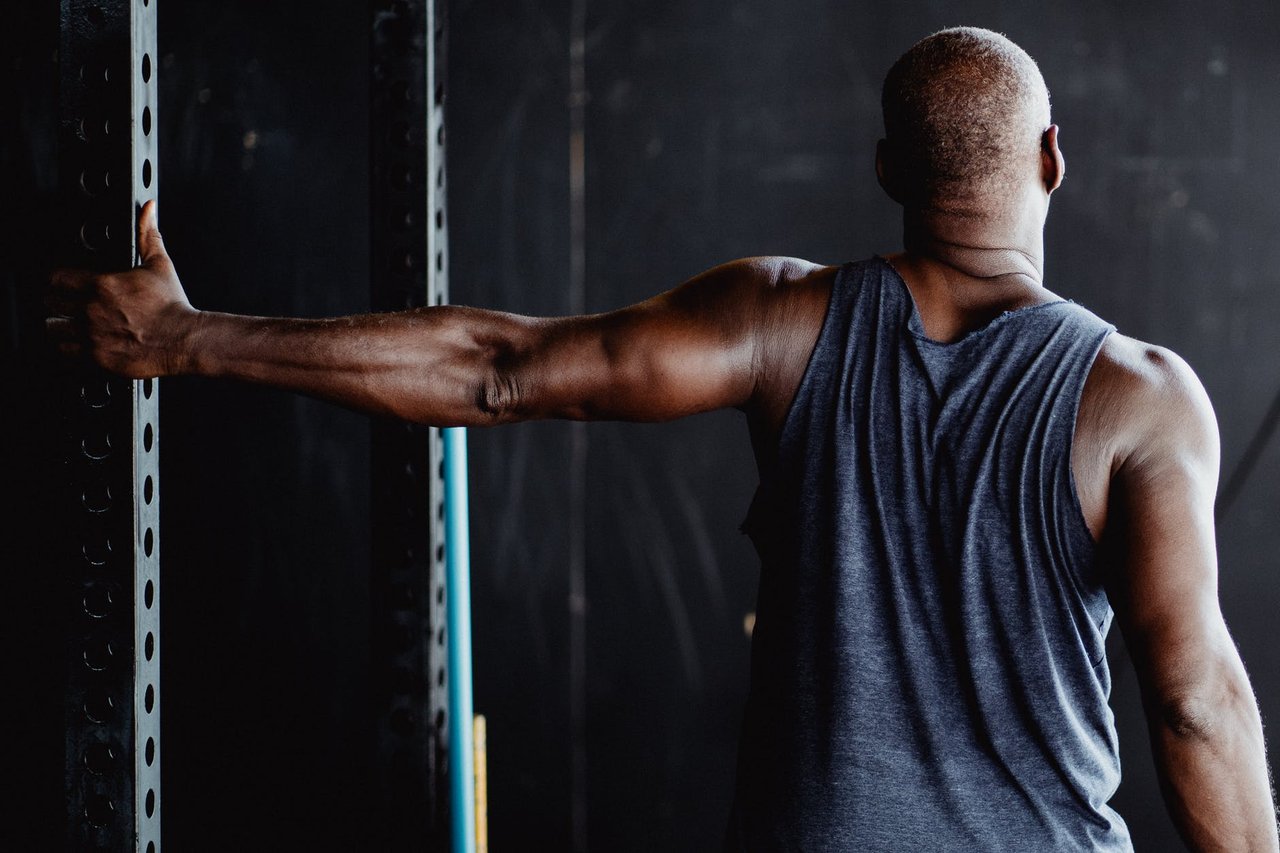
x,y
997,247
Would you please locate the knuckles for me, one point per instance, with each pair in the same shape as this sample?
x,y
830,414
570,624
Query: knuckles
x,y
117,320
103,286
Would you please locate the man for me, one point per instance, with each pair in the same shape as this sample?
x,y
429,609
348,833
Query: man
x,y
961,474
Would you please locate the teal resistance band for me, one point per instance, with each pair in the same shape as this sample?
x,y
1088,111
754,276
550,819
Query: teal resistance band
x,y
458,618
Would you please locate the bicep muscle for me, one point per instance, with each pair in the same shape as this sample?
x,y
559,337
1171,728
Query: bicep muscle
x,y
692,349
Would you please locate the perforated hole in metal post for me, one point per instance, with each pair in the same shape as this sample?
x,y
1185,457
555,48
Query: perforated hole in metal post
x,y
87,237
96,552
98,600
96,446
149,698
148,438
146,68
96,498
148,542
146,182
146,121
149,594
98,653
96,395
148,489
99,758
149,752
99,810
93,183
99,707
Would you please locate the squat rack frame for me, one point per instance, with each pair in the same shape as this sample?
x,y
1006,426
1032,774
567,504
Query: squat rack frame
x,y
108,168
110,441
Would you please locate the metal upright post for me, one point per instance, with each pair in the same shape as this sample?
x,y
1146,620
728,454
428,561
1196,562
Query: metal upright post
x,y
409,270
109,555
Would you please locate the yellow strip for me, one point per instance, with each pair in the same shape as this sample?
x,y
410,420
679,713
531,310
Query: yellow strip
x,y
481,751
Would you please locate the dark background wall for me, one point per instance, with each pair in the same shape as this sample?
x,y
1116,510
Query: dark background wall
x,y
714,130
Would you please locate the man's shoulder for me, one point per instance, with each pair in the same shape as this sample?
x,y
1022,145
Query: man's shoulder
x,y
1143,373
777,271
766,290
1150,401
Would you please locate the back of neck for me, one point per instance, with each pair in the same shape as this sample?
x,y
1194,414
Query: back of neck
x,y
979,247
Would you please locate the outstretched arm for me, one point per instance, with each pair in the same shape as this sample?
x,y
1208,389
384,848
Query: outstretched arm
x,y
692,349
1205,729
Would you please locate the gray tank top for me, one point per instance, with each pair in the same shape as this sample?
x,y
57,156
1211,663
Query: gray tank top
x,y
928,664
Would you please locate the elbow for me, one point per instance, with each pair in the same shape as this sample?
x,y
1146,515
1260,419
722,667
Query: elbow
x,y
1191,720
1207,714
506,382
500,399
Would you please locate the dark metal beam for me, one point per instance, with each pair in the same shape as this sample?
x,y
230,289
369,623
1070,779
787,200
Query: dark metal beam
x,y
408,270
109,556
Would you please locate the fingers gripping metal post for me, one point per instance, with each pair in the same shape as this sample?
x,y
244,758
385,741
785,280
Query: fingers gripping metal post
x,y
109,561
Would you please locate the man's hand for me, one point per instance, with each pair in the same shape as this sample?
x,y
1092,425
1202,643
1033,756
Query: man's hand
x,y
135,323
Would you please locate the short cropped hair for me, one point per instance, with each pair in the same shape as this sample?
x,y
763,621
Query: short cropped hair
x,y
964,113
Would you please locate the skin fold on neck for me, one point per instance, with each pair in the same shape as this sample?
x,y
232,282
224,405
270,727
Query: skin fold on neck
x,y
964,270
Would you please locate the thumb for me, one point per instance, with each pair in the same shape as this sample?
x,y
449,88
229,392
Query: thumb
x,y
150,243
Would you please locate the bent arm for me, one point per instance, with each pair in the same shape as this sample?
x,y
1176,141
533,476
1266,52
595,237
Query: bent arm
x,y
1206,733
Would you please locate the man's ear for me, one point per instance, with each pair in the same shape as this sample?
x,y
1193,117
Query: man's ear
x,y
886,171
1052,164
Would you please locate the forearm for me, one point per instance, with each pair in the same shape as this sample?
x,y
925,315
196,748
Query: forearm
x,y
1214,775
431,365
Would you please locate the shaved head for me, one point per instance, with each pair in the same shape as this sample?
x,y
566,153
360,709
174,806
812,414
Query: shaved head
x,y
964,113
